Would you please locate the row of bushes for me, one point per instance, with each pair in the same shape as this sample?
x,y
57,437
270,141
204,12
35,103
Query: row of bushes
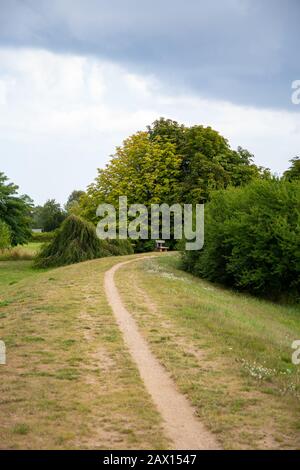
x,y
252,239
5,236
42,237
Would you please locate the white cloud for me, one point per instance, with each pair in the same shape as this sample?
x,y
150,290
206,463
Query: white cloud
x,y
62,115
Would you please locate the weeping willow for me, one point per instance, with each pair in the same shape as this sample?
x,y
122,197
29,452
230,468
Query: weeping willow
x,y
76,241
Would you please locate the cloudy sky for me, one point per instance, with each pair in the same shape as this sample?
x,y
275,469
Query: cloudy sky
x,y
78,76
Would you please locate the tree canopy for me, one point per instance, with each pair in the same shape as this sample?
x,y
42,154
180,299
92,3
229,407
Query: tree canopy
x,y
72,203
144,170
15,211
170,163
207,161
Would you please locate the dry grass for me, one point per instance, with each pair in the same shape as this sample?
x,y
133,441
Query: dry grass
x,y
18,253
229,353
69,381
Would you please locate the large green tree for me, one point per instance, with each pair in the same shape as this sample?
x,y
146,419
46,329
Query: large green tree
x,y
207,160
146,171
170,163
15,211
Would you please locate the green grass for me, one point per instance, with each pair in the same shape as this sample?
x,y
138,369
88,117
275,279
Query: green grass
x,y
11,272
21,252
69,381
230,353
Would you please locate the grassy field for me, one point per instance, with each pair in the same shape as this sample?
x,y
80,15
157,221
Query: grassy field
x,y
69,382
20,252
229,353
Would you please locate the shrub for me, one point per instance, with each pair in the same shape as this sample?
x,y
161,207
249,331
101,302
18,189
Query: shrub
x,y
77,241
252,239
5,235
43,236
119,247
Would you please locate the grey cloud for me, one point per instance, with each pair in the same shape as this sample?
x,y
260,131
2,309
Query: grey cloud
x,y
244,51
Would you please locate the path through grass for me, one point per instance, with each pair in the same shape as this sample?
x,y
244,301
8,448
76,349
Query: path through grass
x,y
69,381
231,354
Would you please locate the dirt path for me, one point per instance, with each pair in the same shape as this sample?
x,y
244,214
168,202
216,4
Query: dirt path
x,y
180,423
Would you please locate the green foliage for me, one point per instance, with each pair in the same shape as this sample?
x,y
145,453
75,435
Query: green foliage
x,y
117,247
143,246
48,217
207,161
73,201
145,171
252,239
43,236
4,235
15,211
170,163
167,130
77,241
293,173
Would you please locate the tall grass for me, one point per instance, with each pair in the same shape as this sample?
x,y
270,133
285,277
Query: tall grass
x,y
16,253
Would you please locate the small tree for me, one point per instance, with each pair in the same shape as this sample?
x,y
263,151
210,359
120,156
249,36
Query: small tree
x,y
77,241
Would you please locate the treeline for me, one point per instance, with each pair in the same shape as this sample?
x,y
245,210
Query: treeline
x,y
51,215
19,216
170,163
251,218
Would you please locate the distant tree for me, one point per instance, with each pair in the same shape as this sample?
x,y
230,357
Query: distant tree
x,y
49,216
36,216
73,201
293,173
15,211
